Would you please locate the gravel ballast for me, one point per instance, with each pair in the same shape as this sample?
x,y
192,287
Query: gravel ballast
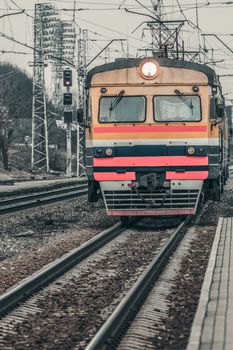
x,y
184,296
31,239
74,308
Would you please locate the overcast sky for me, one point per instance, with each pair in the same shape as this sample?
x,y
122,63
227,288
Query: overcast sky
x,y
105,21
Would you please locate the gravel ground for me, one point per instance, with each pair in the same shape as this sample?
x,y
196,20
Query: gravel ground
x,y
31,239
184,296
70,314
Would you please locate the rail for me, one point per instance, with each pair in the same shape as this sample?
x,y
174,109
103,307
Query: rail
x,y
111,331
52,271
38,199
19,191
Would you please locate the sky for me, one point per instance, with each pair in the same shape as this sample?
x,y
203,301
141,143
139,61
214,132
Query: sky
x,y
107,19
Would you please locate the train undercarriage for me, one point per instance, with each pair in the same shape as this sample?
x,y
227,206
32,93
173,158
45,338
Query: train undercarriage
x,y
153,195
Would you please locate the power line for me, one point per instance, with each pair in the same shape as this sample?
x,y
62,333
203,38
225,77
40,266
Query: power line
x,y
74,9
8,77
182,12
11,14
8,73
112,30
14,52
121,4
32,48
23,10
145,7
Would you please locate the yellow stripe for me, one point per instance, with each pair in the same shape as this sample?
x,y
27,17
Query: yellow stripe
x,y
156,136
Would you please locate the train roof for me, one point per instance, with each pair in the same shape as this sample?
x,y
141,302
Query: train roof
x,y
122,63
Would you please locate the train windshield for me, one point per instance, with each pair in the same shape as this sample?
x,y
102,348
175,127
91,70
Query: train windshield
x,y
128,109
177,108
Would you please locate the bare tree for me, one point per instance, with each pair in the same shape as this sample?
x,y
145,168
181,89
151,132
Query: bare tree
x,y
6,130
15,101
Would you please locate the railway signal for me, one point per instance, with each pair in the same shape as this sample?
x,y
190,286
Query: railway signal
x,y
68,113
68,117
67,98
67,77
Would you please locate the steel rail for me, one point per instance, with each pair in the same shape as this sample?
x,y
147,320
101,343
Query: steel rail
x,y
35,200
52,271
43,193
109,334
41,188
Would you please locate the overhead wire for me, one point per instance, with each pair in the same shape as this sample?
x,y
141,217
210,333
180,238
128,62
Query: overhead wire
x,y
14,52
121,4
4,77
111,30
190,6
8,73
185,7
10,25
9,20
100,48
20,8
145,7
107,38
28,46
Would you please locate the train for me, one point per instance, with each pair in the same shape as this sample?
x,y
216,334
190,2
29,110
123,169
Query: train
x,y
156,136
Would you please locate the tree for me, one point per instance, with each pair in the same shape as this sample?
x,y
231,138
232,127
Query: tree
x,y
15,102
5,133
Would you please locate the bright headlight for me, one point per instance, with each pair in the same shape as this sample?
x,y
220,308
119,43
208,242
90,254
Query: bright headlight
x,y
108,152
149,69
191,151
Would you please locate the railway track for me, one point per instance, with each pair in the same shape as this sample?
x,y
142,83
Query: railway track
x,y
10,299
20,191
113,330
31,200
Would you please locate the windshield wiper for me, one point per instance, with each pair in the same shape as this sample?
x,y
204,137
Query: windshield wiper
x,y
185,99
116,101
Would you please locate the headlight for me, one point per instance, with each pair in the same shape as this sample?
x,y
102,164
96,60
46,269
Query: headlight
x,y
149,69
109,152
191,151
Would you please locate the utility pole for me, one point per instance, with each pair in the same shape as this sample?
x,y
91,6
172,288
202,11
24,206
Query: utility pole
x,y
68,117
54,41
81,73
46,26
40,154
164,33
64,41
66,53
57,67
68,151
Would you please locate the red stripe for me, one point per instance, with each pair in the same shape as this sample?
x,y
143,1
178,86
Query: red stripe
x,y
114,176
150,128
151,161
187,175
151,212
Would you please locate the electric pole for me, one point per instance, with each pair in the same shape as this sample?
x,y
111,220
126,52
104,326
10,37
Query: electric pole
x,y
81,73
40,154
68,117
54,42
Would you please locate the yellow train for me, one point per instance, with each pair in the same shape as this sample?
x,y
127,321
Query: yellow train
x,y
156,136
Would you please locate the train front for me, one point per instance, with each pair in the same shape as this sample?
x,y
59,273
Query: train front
x,y
147,136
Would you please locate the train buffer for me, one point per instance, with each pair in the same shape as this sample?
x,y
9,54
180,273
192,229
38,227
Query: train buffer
x,y
212,328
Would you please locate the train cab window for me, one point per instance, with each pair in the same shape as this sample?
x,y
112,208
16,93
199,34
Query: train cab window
x,y
177,108
126,109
